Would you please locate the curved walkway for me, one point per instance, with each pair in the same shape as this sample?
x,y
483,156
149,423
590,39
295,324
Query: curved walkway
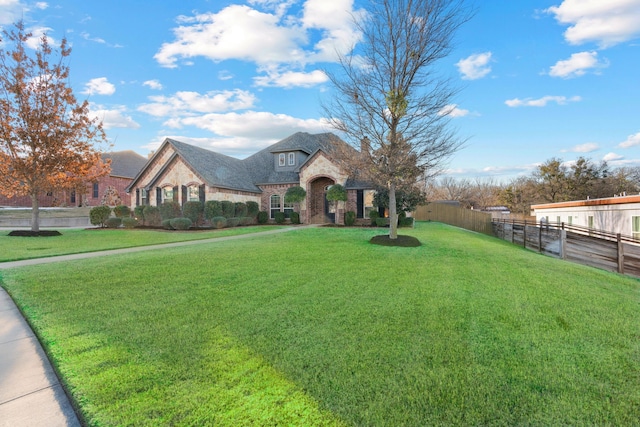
x,y
30,392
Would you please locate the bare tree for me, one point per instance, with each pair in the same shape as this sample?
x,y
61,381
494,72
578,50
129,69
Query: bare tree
x,y
46,136
390,100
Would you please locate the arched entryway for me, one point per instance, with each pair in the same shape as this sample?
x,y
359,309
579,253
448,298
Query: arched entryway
x,y
320,210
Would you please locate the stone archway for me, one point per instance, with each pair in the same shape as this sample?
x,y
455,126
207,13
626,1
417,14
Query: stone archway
x,y
317,202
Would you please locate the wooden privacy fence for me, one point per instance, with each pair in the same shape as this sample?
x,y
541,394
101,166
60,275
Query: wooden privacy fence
x,y
454,215
596,248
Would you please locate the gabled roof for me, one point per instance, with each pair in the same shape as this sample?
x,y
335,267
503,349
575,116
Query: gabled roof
x,y
261,164
219,170
125,164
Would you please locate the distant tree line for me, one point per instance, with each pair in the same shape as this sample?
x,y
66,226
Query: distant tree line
x,y
552,181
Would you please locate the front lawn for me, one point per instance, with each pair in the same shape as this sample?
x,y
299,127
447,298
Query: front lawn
x,y
320,327
72,241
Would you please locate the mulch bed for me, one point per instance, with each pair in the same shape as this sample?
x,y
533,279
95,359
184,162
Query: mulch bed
x,y
401,241
29,233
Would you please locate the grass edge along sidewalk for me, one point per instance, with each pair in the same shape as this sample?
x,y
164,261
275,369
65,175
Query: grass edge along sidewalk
x,y
321,328
76,241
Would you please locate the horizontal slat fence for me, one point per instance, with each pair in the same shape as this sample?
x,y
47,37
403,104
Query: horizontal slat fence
x,y
456,216
596,248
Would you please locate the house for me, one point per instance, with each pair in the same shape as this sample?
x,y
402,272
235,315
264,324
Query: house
x,y
110,189
181,172
613,214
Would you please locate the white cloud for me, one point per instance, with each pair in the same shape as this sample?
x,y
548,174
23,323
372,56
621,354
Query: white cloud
x,y
289,79
10,11
42,5
153,84
267,39
243,134
225,75
541,102
190,103
577,65
631,141
236,32
36,37
113,118
475,66
610,157
99,86
606,22
255,124
453,111
584,148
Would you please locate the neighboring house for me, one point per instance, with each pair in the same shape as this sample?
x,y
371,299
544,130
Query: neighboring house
x,y
125,165
612,214
181,172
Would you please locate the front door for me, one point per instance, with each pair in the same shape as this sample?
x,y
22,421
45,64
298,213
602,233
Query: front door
x,y
329,209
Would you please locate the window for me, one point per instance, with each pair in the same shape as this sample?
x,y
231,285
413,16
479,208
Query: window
x,y
281,159
570,220
143,197
193,193
275,204
96,190
558,220
167,194
73,196
590,222
292,159
635,227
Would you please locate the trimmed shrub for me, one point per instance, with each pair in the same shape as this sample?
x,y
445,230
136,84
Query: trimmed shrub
x,y
295,218
279,217
166,224
252,209
129,222
212,209
193,210
263,217
170,210
373,216
152,216
241,209
138,211
349,218
122,211
295,194
381,222
219,222
99,215
405,222
113,222
247,220
181,223
233,222
228,209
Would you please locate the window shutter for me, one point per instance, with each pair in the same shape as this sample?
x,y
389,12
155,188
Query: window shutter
x,y
201,194
175,193
137,197
184,194
158,196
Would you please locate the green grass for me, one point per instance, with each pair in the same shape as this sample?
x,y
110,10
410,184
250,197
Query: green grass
x,y
319,327
74,241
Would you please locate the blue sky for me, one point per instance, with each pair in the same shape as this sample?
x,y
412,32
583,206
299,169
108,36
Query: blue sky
x,y
538,79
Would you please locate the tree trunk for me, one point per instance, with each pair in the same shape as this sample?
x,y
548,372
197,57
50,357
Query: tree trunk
x,y
35,213
393,215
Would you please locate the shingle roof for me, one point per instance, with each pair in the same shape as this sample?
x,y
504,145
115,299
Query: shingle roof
x,y
216,169
125,164
219,170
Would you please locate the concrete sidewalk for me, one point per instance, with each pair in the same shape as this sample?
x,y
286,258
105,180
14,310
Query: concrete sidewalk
x,y
30,392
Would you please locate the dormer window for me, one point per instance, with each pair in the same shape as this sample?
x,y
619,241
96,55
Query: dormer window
x,y
292,159
281,159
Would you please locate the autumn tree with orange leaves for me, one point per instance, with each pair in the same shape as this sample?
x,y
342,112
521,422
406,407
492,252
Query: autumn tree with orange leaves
x,y
47,138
